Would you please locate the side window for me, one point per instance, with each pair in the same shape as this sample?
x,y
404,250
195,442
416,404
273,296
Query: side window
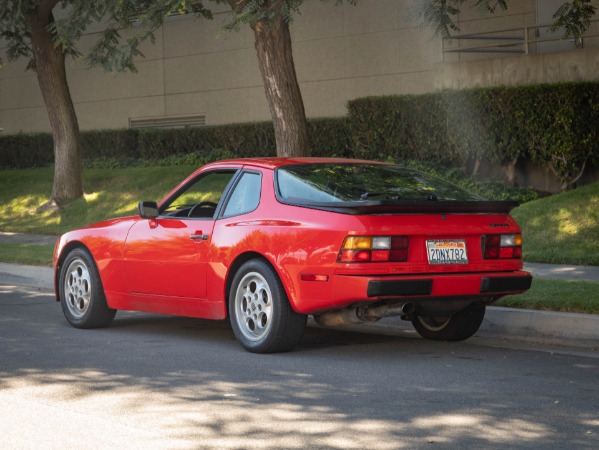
x,y
246,195
201,197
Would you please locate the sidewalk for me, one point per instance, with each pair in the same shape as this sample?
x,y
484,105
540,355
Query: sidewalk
x,y
567,329
27,276
563,272
32,239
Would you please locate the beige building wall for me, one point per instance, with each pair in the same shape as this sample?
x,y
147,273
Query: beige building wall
x,y
576,65
341,53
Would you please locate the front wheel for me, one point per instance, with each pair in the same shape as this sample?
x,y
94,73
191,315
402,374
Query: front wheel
x,y
456,327
81,292
261,316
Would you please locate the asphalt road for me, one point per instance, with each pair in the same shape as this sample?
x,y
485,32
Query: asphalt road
x,y
164,382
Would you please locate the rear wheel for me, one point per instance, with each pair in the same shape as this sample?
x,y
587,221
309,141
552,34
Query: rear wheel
x,y
456,327
81,292
261,316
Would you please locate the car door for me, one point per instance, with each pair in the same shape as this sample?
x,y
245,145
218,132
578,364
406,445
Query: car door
x,y
167,256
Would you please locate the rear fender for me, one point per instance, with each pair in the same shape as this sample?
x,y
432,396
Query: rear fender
x,y
283,275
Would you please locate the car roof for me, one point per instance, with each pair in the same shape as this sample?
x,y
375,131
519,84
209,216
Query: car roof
x,y
276,162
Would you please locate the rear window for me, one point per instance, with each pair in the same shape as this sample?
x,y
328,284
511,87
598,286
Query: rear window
x,y
353,182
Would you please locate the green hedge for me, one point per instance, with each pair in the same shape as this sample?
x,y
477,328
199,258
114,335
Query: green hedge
x,y
331,137
253,139
26,150
98,144
407,127
328,137
555,125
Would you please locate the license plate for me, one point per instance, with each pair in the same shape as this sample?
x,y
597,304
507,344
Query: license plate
x,y
447,251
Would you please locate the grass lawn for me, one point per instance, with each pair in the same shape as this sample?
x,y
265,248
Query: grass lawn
x,y
35,255
557,295
108,193
563,228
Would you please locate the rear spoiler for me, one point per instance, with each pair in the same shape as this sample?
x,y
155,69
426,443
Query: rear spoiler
x,y
378,207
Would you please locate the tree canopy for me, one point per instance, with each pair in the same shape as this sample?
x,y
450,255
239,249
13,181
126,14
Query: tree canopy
x,y
70,19
573,17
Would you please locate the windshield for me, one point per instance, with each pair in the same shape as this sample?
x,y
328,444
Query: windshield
x,y
355,182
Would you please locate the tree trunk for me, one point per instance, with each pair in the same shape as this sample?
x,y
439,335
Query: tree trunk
x,y
51,75
275,58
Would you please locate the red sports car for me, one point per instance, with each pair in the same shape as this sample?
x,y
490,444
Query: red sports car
x,y
268,242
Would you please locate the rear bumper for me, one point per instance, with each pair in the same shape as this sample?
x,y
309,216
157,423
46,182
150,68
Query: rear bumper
x,y
345,290
488,285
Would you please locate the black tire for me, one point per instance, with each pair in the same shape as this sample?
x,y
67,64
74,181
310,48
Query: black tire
x,y
261,316
81,292
456,327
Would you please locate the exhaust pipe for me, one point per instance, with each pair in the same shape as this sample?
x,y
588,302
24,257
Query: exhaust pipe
x,y
339,318
352,316
399,309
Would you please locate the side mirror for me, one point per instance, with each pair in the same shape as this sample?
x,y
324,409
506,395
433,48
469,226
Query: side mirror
x,y
148,210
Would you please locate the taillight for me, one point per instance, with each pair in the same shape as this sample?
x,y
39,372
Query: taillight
x,y
502,246
374,249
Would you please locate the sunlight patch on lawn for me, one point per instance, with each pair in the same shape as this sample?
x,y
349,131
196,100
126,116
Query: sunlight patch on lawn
x,y
536,222
52,219
567,224
128,202
91,197
22,205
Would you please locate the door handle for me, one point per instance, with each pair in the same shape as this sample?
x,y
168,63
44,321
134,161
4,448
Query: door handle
x,y
196,236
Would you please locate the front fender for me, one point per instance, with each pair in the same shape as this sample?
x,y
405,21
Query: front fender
x,y
105,242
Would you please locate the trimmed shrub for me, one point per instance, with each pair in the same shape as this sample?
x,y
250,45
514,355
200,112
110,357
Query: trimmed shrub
x,y
107,144
406,127
563,127
330,137
24,150
242,140
554,125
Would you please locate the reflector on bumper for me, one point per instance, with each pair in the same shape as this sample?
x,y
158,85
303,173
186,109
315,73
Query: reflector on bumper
x,y
505,284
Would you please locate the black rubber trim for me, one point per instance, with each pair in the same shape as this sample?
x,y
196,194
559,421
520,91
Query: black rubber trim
x,y
379,288
375,207
505,284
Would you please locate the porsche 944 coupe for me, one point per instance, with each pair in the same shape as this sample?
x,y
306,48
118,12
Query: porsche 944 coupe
x,y
267,242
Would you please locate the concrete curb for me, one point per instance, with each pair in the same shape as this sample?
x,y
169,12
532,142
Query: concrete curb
x,y
23,238
563,272
565,329
553,328
570,329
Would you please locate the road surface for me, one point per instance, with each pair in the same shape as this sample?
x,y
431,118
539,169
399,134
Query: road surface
x,y
164,382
